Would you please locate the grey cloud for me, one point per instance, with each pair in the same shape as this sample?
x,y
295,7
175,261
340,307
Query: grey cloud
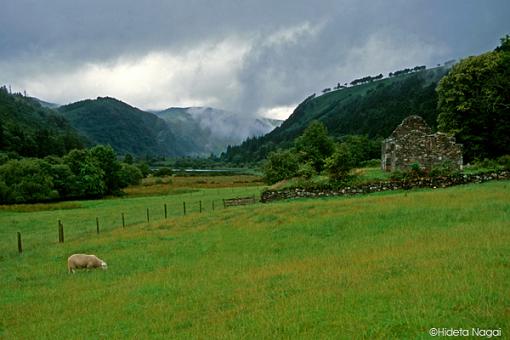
x,y
345,39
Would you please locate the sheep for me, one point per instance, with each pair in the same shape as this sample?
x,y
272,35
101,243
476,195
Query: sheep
x,y
77,261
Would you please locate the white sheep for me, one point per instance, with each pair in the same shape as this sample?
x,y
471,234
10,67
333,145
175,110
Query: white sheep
x,y
77,261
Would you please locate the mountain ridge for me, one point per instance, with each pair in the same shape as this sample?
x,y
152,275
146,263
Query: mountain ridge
x,y
174,132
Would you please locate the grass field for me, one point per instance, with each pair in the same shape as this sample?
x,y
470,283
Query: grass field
x,y
182,184
388,265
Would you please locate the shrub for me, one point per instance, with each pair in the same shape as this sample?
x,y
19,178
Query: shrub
x,y
306,171
144,168
413,171
280,165
340,163
26,180
504,161
444,169
130,175
161,172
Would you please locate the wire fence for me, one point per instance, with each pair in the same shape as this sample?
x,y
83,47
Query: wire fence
x,y
32,230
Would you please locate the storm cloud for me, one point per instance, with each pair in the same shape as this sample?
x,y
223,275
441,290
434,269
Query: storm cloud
x,y
251,57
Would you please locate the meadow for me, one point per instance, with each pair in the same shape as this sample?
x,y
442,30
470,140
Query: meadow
x,y
386,265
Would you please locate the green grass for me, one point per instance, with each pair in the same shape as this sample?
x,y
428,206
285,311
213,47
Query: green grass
x,y
39,229
389,265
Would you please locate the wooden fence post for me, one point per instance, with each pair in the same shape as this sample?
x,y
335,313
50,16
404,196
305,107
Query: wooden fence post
x,y
60,232
184,207
123,222
200,205
97,225
20,248
148,219
165,212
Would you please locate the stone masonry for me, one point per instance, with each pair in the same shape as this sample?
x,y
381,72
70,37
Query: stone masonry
x,y
381,186
413,142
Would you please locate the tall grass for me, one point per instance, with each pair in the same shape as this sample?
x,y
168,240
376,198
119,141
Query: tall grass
x,y
183,184
388,265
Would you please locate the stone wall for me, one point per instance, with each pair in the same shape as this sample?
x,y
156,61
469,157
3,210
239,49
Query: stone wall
x,y
426,182
413,142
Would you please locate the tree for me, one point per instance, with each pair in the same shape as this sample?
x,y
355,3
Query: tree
x,y
64,181
26,180
108,163
340,163
315,145
281,164
505,44
89,180
128,159
474,104
74,159
2,143
130,175
362,148
144,169
163,171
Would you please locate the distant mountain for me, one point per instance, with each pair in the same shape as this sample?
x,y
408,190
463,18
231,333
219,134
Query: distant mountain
x,y
373,109
211,130
45,104
32,130
174,132
127,129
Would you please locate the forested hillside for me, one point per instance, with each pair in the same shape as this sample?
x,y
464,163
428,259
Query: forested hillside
x,y
373,109
31,130
127,129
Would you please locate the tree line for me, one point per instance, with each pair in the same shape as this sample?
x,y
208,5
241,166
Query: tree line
x,y
369,79
81,173
407,71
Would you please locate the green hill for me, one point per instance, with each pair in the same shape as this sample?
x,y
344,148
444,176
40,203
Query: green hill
x,y
127,129
373,109
31,130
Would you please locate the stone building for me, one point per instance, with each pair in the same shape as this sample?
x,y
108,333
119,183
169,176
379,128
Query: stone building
x,y
413,142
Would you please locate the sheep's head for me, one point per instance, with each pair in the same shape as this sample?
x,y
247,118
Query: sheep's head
x,y
104,265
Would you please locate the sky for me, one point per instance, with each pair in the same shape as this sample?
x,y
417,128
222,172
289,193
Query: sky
x,y
252,57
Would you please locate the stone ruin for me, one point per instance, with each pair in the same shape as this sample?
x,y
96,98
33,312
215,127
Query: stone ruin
x,y
413,142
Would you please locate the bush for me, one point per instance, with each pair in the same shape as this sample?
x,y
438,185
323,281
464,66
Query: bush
x,y
306,171
340,163
282,164
413,171
130,175
162,172
144,168
504,161
445,169
26,180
